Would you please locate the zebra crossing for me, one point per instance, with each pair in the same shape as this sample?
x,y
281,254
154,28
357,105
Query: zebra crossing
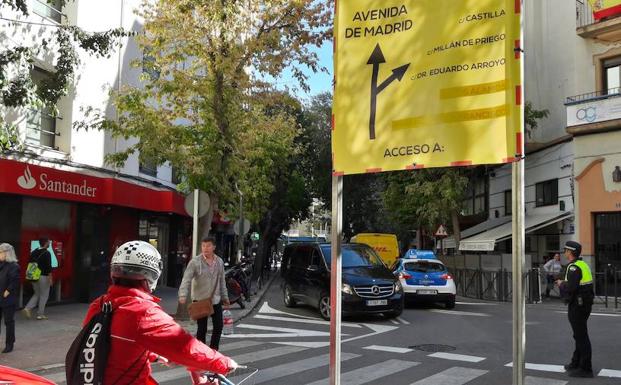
x,y
284,364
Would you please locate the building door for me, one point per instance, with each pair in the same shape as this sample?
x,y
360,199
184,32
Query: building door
x,y
608,240
92,257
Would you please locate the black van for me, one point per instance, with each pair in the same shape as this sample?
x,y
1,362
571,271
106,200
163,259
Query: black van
x,y
368,285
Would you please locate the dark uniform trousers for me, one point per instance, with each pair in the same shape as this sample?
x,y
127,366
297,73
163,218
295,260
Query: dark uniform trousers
x,y
8,313
578,316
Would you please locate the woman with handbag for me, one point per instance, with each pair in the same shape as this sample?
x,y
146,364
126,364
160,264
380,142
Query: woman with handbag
x,y
205,274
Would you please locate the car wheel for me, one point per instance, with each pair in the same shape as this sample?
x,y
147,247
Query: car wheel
x,y
450,304
324,306
288,297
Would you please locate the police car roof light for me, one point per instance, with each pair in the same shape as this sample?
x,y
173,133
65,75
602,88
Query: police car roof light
x,y
420,254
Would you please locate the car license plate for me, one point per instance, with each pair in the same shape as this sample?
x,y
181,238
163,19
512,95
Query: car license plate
x,y
426,292
377,302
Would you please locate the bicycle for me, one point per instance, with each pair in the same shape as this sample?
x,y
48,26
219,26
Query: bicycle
x,y
241,375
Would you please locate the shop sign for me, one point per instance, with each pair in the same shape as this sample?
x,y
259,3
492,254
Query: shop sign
x,y
45,182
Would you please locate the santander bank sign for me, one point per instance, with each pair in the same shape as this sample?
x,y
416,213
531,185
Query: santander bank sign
x,y
48,183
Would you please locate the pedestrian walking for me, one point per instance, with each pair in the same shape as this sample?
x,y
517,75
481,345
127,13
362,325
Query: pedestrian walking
x,y
577,290
41,280
9,287
141,331
205,274
552,268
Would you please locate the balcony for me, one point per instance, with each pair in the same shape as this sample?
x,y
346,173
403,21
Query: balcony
x,y
594,112
602,24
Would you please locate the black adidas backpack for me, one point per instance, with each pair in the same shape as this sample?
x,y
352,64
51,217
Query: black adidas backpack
x,y
85,363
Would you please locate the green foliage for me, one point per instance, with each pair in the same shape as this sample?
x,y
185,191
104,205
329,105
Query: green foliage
x,y
200,105
17,90
425,198
531,116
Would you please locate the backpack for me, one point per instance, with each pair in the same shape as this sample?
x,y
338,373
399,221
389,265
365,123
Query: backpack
x,y
87,357
33,273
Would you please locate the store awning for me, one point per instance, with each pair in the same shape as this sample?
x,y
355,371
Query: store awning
x,y
449,243
486,241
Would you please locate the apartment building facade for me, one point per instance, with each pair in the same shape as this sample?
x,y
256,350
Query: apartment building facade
x,y
61,186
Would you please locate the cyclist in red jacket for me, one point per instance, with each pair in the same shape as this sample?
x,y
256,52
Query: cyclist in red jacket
x,y
141,332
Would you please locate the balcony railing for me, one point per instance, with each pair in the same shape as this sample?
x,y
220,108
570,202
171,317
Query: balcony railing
x,y
600,24
50,11
584,13
592,96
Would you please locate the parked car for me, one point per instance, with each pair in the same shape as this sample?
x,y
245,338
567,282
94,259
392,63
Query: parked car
x,y
425,278
10,376
368,285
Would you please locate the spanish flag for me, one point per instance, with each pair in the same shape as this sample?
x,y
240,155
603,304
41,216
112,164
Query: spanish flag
x,y
605,8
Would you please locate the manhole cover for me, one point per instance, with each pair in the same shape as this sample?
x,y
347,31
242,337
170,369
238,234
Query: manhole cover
x,y
434,348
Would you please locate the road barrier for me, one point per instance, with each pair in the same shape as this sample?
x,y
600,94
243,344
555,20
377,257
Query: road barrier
x,y
495,285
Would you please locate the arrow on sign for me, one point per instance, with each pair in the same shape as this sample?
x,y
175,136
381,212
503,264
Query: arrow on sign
x,y
376,59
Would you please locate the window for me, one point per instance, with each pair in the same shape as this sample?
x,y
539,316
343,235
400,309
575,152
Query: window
x,y
547,193
148,65
148,167
612,75
176,176
51,9
41,123
475,201
508,203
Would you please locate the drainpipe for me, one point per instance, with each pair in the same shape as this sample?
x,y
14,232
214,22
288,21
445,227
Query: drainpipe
x,y
240,241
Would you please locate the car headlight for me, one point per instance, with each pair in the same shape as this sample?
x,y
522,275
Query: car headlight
x,y
347,289
398,286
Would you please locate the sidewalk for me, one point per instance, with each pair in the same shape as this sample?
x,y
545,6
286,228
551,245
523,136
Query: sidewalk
x,y
598,307
43,344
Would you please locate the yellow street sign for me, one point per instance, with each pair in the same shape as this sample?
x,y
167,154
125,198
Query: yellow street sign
x,y
426,83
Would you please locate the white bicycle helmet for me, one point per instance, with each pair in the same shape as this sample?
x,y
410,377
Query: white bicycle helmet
x,y
137,260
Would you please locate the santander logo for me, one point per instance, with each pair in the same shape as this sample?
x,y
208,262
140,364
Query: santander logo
x,y
26,181
53,184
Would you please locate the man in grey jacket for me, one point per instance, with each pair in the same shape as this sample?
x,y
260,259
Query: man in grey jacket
x,y
205,273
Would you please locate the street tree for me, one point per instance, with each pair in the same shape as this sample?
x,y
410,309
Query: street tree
x,y
18,91
202,103
423,199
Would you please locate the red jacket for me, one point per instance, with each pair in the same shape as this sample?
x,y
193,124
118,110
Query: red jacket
x,y
140,330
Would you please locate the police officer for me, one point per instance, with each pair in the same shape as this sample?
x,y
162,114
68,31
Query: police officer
x,y
577,290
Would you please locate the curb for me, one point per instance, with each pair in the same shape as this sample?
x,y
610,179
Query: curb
x,y
259,296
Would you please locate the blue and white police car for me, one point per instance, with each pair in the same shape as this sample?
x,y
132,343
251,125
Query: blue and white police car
x,y
425,278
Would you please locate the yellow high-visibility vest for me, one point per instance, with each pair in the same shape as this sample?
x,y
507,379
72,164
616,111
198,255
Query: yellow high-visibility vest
x,y
587,278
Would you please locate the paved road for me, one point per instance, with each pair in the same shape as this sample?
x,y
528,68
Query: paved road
x,y
426,345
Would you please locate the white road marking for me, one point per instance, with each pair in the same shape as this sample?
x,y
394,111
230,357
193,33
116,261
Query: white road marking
x,y
266,354
530,380
303,344
542,367
395,322
390,349
280,332
456,357
476,303
610,373
452,376
267,309
455,312
377,329
371,373
238,345
297,367
403,321
306,321
595,314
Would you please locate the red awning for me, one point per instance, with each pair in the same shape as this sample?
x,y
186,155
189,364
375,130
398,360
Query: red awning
x,y
47,182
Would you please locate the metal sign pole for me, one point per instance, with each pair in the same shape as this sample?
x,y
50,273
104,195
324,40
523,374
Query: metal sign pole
x,y
335,281
517,188
195,224
519,300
